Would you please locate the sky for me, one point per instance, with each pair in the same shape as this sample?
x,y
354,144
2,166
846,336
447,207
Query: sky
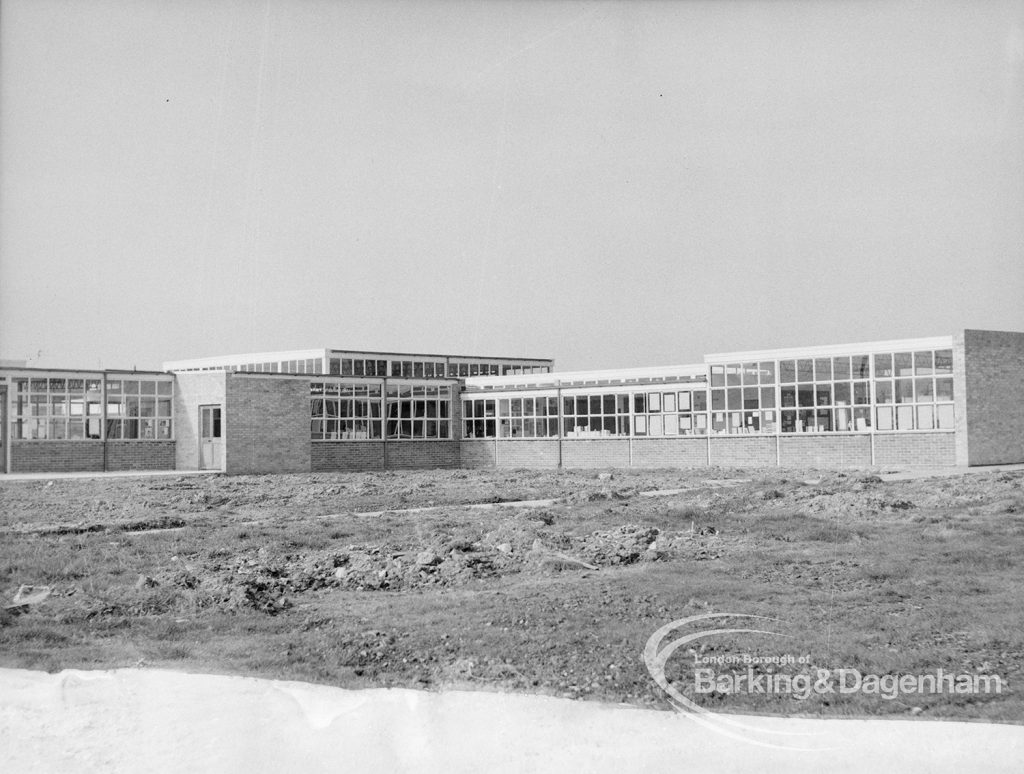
x,y
610,184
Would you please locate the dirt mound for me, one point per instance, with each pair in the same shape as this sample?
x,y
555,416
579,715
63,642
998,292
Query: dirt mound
x,y
267,582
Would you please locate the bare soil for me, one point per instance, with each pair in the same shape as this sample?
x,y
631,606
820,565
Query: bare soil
x,y
397,579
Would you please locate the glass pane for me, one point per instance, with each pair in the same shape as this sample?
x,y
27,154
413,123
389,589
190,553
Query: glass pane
x,y
669,399
944,389
925,417
944,416
923,363
883,392
860,366
903,364
732,375
717,376
805,395
657,426
840,368
700,401
823,369
904,417
924,390
861,419
904,391
734,399
861,394
654,401
842,393
944,361
883,419
717,400
767,369
684,401
805,370
750,398
883,367
787,371
767,397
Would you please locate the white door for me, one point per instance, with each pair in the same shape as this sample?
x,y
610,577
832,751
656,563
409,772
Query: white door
x,y
211,444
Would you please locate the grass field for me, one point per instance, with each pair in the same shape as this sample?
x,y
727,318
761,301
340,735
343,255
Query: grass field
x,y
323,578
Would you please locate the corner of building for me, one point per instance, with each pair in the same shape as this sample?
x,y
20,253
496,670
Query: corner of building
x,y
990,413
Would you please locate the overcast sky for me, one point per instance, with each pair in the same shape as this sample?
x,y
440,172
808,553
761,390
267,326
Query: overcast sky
x,y
608,184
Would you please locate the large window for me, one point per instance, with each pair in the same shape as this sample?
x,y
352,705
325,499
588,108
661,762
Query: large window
x,y
73,408
138,409
743,398
594,416
666,412
535,417
418,411
345,412
914,390
57,409
825,393
478,418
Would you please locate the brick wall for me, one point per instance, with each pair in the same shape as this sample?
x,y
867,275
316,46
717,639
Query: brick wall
x,y
915,449
526,453
825,451
140,455
987,389
421,454
192,390
742,450
56,456
346,455
670,452
476,454
595,453
266,425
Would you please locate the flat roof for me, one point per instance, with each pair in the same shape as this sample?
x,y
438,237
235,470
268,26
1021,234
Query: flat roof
x,y
305,354
7,370
580,378
859,348
435,355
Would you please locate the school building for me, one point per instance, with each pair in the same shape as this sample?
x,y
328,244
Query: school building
x,y
940,401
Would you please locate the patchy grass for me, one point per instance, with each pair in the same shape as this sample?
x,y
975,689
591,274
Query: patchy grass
x,y
289,577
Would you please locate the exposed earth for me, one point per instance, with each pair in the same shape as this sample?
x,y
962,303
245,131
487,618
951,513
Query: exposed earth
x,y
398,579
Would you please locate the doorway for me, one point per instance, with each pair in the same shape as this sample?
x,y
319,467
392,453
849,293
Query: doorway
x,y
211,442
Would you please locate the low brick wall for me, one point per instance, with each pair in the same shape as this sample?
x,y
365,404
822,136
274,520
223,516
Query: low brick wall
x,y
686,452
743,450
476,453
825,451
526,453
56,456
595,453
140,455
328,456
915,449
90,456
404,455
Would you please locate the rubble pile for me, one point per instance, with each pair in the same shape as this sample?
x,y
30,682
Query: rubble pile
x,y
267,582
